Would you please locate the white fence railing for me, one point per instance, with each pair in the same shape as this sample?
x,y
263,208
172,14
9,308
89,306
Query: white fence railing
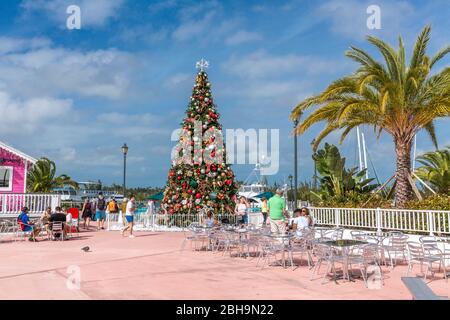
x,y
420,221
162,222
11,204
409,221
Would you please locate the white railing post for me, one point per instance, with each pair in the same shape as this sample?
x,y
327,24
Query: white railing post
x,y
337,217
4,203
430,223
378,220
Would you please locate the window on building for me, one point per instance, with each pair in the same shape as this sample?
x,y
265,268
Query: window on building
x,y
6,178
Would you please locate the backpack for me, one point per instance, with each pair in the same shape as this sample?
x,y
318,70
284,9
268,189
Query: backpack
x,y
112,206
101,203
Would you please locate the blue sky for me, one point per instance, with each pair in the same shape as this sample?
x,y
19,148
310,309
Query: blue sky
x,y
77,95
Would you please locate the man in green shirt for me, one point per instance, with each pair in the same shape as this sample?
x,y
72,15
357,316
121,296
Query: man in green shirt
x,y
277,213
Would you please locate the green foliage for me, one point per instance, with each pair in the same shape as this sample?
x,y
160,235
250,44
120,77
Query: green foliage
x,y
392,95
335,179
436,202
354,200
435,169
42,177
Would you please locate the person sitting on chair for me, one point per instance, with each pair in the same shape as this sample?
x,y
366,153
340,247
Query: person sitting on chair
x,y
59,216
44,219
301,222
210,221
23,220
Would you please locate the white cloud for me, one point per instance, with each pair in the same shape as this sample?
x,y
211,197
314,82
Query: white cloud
x,y
192,28
178,79
261,64
8,44
242,36
58,71
26,116
94,13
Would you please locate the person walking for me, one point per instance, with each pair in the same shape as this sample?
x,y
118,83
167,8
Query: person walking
x,y
150,212
264,210
123,210
112,206
129,215
93,203
86,213
277,213
100,214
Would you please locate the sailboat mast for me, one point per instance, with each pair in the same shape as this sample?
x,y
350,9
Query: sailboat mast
x,y
359,149
365,155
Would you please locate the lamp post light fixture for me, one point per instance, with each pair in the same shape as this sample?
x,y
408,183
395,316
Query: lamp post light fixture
x,y
295,164
124,151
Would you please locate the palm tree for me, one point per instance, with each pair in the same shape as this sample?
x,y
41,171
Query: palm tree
x,y
42,177
391,96
436,169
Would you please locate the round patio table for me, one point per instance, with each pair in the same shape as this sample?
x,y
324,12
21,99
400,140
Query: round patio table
x,y
344,246
322,230
285,242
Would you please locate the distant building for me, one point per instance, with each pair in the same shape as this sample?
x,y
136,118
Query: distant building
x,y
14,166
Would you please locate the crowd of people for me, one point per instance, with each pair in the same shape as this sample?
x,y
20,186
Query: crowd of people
x,y
45,222
275,211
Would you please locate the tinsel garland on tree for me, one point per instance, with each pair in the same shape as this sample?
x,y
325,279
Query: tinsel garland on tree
x,y
192,186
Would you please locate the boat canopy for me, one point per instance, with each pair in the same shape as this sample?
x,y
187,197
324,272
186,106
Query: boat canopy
x,y
157,196
267,195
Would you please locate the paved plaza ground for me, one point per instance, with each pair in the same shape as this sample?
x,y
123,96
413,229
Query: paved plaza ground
x,y
151,266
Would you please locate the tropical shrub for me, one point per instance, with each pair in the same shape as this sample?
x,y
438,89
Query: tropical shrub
x,y
42,177
335,179
435,170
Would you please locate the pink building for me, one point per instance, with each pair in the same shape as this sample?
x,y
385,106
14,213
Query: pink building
x,y
14,166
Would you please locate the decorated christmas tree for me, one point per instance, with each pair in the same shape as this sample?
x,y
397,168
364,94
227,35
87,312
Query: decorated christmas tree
x,y
199,177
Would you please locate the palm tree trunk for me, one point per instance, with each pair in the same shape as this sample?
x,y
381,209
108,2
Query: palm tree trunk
x,y
403,189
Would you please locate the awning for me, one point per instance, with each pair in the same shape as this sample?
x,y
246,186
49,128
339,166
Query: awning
x,y
157,197
267,195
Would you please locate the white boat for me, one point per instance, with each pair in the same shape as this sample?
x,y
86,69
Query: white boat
x,y
86,190
253,186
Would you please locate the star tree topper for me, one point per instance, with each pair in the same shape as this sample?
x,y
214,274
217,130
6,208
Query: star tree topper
x,y
202,64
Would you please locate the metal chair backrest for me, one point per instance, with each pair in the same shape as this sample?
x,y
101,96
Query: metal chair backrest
x,y
338,233
415,251
398,241
370,253
429,243
57,226
358,235
323,251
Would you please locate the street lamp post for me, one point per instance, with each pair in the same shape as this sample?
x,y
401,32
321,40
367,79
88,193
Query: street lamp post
x,y
124,151
290,182
295,165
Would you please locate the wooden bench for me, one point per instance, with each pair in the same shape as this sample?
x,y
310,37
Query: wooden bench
x,y
419,289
